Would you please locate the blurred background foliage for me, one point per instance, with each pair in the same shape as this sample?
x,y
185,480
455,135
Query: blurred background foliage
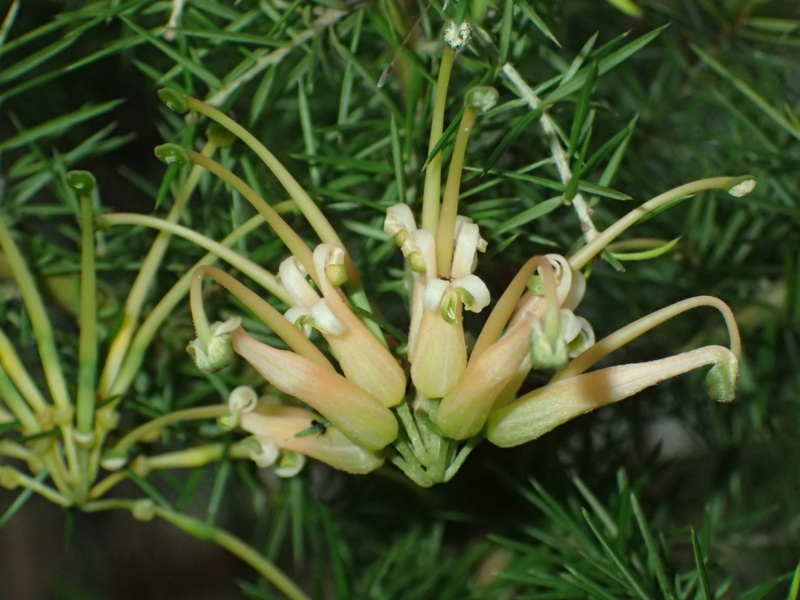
x,y
666,495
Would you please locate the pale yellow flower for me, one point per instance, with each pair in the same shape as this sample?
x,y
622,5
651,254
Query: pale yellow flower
x,y
426,410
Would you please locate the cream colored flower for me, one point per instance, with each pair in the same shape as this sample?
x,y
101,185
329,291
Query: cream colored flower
x,y
425,410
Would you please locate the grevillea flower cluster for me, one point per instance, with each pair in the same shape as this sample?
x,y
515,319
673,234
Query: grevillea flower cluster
x,y
353,401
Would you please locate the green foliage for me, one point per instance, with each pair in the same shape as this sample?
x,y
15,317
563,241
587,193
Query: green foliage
x,y
609,549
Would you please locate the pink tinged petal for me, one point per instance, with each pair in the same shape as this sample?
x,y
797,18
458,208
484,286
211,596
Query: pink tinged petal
x,y
359,415
510,390
281,424
440,355
366,362
546,408
363,359
464,409
529,305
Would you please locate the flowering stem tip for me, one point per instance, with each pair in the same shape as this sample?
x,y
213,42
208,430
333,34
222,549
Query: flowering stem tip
x,y
351,399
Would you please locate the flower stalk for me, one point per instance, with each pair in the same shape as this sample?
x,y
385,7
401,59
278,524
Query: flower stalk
x,y
735,186
433,172
479,99
87,344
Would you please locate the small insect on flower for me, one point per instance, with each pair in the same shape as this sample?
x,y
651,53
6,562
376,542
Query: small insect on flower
x,y
317,426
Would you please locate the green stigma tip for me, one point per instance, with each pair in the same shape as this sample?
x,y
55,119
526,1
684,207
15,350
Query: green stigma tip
x,y
173,99
82,182
172,154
